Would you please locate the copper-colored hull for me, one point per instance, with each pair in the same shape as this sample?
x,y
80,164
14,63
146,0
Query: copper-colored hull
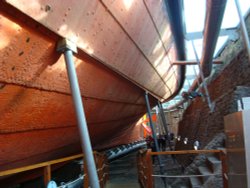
x,y
37,116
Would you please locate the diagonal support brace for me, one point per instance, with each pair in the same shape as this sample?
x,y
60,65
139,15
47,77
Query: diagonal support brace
x,y
67,48
243,28
211,104
164,122
154,134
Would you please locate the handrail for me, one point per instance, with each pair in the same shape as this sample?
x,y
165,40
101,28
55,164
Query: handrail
x,y
100,161
145,165
184,152
185,176
39,165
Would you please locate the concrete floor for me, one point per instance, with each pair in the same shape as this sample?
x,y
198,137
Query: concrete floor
x,y
123,173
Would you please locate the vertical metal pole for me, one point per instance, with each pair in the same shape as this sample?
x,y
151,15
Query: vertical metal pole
x,y
164,122
163,119
82,124
154,135
243,28
151,122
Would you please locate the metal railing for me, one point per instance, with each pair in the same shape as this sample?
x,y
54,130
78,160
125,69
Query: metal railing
x,y
145,166
100,161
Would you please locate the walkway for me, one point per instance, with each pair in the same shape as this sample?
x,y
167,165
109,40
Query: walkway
x,y
123,173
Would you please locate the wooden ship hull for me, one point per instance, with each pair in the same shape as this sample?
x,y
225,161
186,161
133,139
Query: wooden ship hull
x,y
124,49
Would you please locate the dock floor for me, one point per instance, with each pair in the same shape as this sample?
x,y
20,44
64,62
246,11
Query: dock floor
x,y
123,173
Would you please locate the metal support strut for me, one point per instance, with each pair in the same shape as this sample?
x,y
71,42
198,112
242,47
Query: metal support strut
x,y
151,123
164,122
67,48
211,104
243,28
154,135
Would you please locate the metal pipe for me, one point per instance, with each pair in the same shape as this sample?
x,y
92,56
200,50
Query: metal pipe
x,y
210,103
243,28
195,72
82,125
154,135
164,122
174,10
163,119
214,16
151,122
217,62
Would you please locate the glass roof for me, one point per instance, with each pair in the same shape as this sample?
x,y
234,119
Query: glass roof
x,y
194,22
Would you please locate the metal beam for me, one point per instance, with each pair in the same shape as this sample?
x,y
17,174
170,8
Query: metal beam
x,y
151,122
211,104
217,62
66,47
154,135
174,10
230,32
214,15
243,28
164,122
163,119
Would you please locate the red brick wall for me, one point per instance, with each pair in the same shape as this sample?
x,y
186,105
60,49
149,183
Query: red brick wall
x,y
198,122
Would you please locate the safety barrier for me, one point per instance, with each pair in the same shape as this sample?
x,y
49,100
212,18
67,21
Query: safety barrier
x,y
100,160
145,166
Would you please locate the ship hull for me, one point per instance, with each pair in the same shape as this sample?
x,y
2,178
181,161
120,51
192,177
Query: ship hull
x,y
115,65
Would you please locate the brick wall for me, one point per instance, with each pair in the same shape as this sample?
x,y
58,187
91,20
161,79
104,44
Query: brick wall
x,y
228,82
173,117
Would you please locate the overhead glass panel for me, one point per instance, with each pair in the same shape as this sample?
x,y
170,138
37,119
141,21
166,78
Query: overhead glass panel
x,y
194,15
231,18
220,45
190,51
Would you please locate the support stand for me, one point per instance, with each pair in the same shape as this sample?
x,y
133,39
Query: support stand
x,y
67,48
154,135
164,122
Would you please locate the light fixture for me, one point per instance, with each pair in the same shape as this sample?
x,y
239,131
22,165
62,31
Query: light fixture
x,y
185,140
196,145
178,138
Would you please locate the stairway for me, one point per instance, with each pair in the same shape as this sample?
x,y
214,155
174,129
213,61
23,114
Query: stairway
x,y
123,172
212,166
